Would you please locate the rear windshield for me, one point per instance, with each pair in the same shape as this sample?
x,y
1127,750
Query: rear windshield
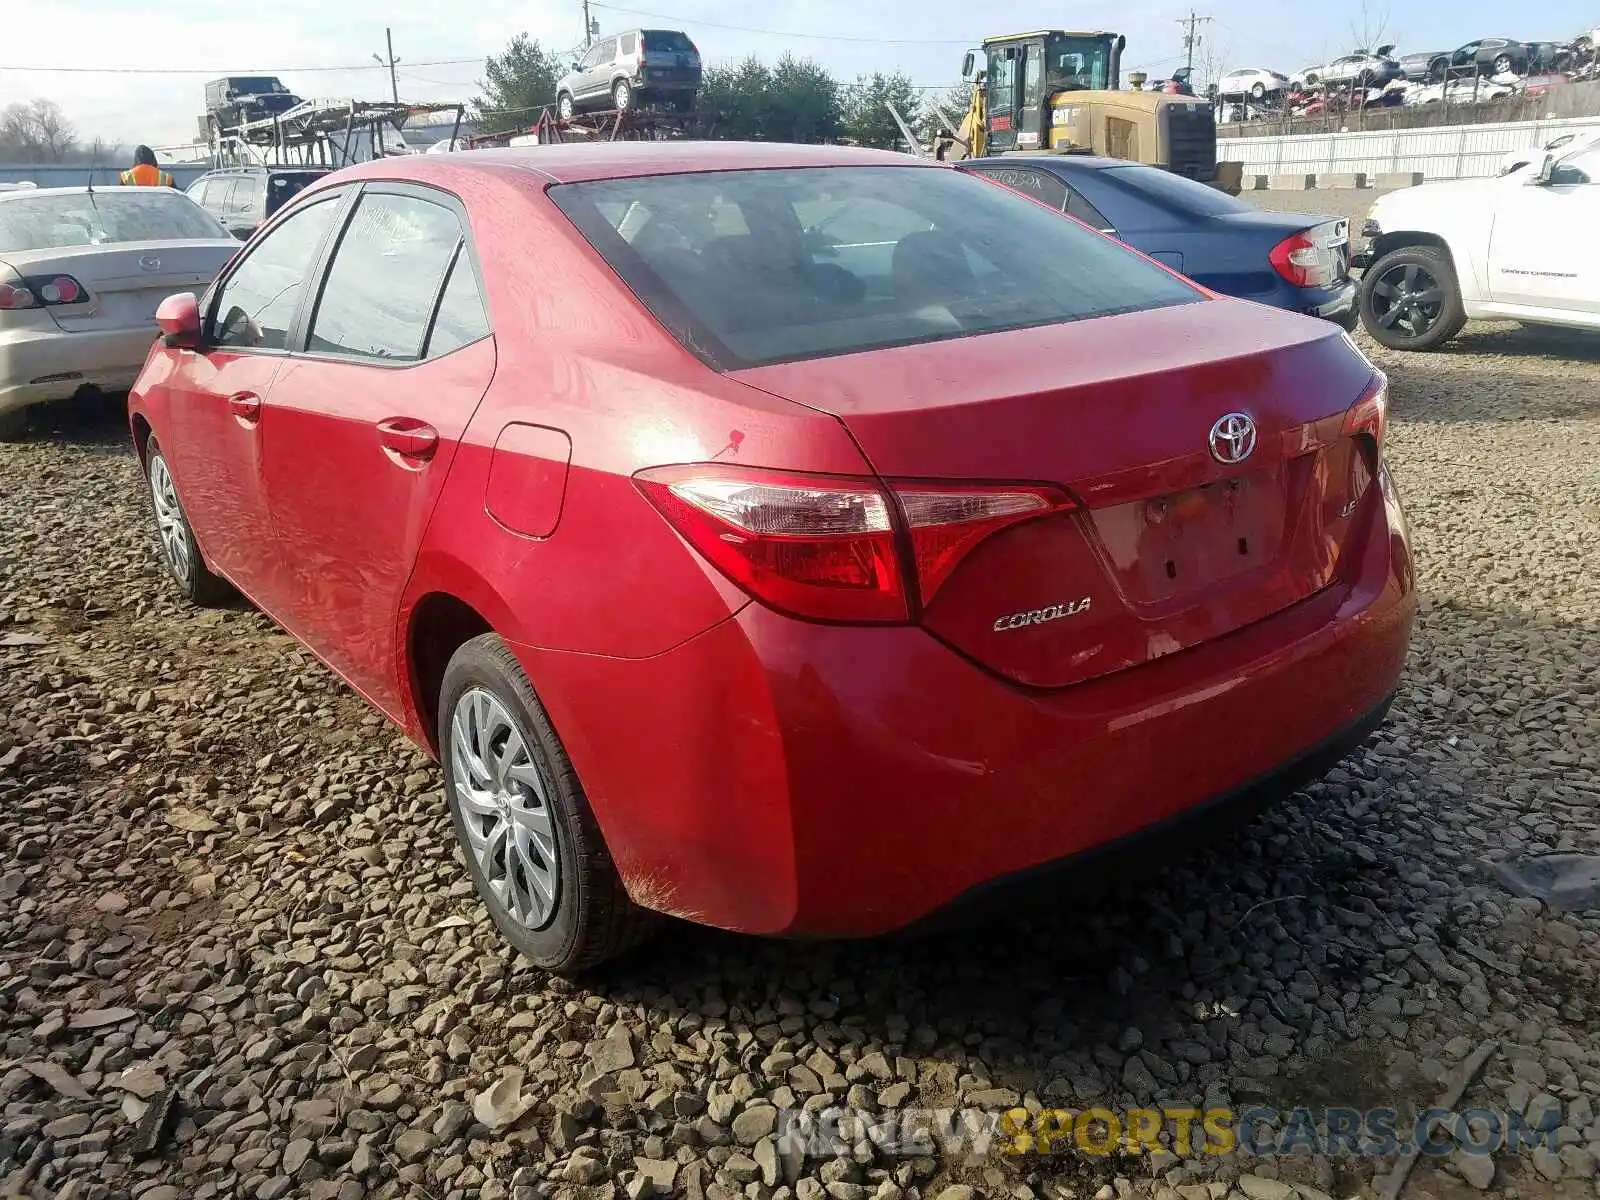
x,y
280,187
1174,191
103,217
667,41
753,267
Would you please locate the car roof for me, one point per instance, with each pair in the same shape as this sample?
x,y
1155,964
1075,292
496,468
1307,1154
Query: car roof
x,y
620,160
1070,162
75,191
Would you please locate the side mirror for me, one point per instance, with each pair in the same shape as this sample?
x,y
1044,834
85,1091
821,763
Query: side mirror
x,y
178,318
967,65
1547,170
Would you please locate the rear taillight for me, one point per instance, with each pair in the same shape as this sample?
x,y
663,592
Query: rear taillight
x,y
1370,414
42,291
831,548
1317,257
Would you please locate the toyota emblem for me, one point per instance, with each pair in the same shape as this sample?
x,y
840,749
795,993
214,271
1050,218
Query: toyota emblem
x,y
1233,438
149,262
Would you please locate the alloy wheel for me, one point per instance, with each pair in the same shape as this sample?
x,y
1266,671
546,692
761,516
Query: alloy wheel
x,y
1408,298
170,521
505,807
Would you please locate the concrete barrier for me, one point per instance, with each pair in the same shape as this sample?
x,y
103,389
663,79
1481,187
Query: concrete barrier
x,y
1397,179
1255,183
1291,183
1356,179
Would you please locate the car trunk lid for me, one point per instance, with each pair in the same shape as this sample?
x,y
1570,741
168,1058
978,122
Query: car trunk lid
x,y
1169,546
125,280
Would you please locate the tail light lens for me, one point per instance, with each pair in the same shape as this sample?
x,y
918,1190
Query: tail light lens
x,y
1370,414
945,525
829,548
1316,257
42,291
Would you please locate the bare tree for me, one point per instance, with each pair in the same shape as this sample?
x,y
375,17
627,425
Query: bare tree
x,y
37,131
1369,24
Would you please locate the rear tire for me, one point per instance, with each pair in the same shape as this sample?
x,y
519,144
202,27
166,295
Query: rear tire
x,y
185,565
533,849
565,107
1411,300
622,95
1503,64
1258,91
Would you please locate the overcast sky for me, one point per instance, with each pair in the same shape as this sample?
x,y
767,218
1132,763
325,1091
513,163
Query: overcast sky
x,y
311,44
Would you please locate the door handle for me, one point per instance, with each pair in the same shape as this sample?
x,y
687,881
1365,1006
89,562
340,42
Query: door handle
x,y
408,438
246,406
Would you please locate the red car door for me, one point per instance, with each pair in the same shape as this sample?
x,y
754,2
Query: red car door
x,y
363,423
210,428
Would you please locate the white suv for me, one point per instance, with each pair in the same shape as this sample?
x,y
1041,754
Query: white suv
x,y
1518,247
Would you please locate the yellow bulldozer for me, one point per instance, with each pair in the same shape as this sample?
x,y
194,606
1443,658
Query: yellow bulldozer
x,y
1058,91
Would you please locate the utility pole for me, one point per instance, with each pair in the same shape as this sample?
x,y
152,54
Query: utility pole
x,y
1190,36
394,82
588,27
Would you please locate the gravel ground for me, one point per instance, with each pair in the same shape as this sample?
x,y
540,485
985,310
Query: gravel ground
x,y
224,882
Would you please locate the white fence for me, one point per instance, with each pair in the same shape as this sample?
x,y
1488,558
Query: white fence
x,y
1444,152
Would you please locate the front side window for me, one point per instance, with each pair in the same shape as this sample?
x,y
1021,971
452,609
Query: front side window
x,y
102,218
257,302
384,279
842,259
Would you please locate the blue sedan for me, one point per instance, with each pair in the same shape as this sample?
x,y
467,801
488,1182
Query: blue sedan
x,y
1287,260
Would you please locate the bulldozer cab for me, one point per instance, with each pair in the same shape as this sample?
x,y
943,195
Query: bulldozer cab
x,y
1023,71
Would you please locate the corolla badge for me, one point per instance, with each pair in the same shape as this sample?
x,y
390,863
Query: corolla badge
x,y
1039,616
149,262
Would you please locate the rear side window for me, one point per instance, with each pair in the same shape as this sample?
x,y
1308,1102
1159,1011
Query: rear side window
x,y
385,279
1031,181
246,196
630,43
833,260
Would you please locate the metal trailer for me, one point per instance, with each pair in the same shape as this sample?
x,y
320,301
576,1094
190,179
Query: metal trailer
x,y
320,133
604,125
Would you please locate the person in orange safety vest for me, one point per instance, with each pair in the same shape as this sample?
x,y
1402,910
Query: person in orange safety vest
x,y
144,172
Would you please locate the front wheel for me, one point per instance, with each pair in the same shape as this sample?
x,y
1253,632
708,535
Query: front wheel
x,y
565,107
622,95
533,848
13,424
1503,64
1259,91
1410,299
179,550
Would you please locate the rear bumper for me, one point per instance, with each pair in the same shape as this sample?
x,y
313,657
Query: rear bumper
x,y
41,365
1339,304
774,776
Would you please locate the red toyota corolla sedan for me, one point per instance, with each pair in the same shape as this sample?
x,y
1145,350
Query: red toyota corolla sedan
x,y
791,539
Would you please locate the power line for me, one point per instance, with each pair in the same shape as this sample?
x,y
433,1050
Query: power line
x,y
221,71
785,33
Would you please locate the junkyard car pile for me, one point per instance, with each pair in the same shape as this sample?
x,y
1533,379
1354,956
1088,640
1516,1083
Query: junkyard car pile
x,y
1483,70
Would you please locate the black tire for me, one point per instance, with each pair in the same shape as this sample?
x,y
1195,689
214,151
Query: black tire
x,y
186,566
1502,64
1437,70
13,425
590,918
622,95
1312,79
565,107
1410,299
1258,90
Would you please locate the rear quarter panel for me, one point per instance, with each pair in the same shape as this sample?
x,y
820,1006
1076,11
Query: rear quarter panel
x,y
1460,214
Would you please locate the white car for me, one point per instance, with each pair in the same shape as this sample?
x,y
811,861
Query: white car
x,y
81,273
1255,82
1373,69
1518,247
1567,143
